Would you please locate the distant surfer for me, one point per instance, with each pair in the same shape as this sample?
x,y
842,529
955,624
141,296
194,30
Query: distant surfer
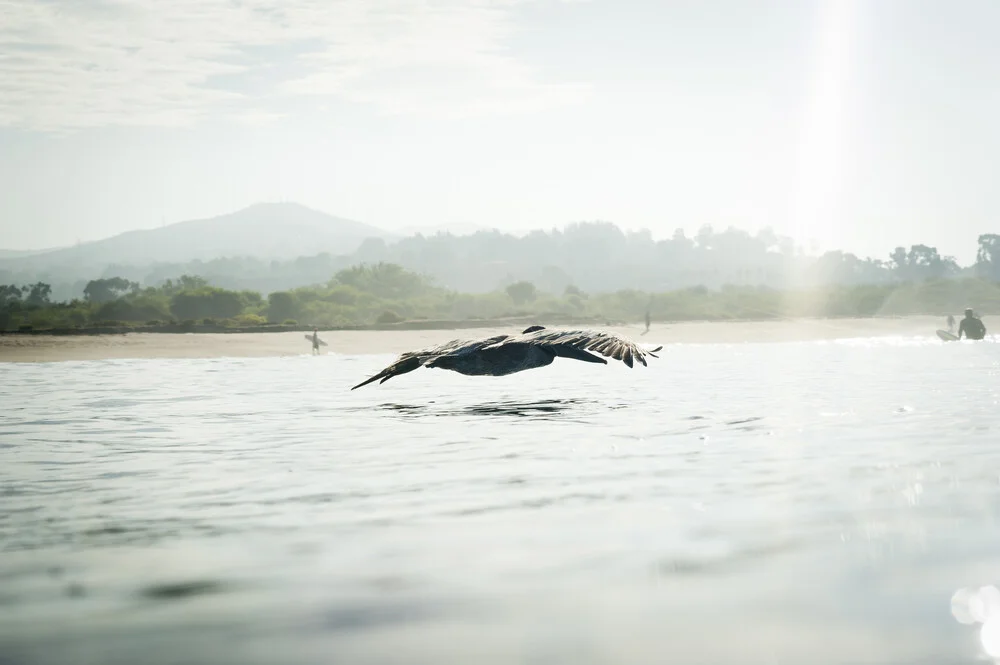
x,y
951,323
315,341
972,326
647,323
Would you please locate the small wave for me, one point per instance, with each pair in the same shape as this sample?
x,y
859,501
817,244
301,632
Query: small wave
x,y
727,561
181,590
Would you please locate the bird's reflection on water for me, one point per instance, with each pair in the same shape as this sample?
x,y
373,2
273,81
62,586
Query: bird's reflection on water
x,y
555,410
543,409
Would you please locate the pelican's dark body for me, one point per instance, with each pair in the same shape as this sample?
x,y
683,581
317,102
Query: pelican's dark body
x,y
507,354
499,361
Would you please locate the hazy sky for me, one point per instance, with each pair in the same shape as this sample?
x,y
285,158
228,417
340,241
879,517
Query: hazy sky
x,y
855,124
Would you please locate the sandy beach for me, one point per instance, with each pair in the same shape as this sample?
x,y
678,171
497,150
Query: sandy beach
x,y
51,348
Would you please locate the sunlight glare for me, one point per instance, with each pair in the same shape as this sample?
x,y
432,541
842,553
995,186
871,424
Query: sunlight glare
x,y
960,606
822,136
985,604
990,636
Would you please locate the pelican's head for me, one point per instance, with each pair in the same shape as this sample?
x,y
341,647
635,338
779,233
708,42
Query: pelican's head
x,y
531,329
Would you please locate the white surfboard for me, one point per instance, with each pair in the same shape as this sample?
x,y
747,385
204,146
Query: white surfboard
x,y
947,336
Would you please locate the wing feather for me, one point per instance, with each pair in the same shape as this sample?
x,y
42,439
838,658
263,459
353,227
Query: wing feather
x,y
608,344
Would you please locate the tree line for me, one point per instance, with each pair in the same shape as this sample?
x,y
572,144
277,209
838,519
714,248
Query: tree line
x,y
385,293
593,256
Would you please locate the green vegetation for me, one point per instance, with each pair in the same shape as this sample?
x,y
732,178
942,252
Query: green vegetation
x,y
387,294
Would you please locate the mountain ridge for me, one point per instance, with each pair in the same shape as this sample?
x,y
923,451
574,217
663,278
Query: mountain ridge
x,y
262,230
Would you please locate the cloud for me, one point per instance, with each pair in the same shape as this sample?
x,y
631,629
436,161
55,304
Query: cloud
x,y
82,63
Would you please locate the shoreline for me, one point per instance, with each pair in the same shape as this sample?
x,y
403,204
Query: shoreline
x,y
43,346
553,321
408,325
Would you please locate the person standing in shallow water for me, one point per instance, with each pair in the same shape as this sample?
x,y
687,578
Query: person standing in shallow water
x,y
315,341
647,323
972,326
951,323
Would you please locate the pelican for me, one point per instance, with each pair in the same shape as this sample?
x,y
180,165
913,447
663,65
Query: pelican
x,y
500,355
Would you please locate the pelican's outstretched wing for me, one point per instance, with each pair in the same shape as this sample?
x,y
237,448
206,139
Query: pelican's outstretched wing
x,y
576,343
412,360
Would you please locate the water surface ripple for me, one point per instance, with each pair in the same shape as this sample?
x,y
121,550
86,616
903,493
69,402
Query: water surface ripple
x,y
760,503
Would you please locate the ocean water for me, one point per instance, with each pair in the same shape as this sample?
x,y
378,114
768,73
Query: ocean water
x,y
816,502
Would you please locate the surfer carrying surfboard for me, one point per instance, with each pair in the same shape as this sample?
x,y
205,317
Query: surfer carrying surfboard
x,y
972,326
316,341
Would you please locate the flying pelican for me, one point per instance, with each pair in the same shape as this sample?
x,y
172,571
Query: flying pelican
x,y
500,355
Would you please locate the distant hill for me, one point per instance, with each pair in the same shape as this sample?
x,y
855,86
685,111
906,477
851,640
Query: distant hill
x,y
18,253
265,230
